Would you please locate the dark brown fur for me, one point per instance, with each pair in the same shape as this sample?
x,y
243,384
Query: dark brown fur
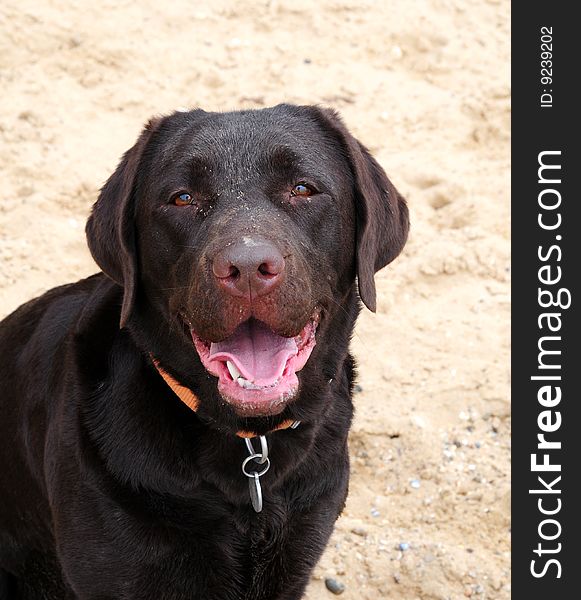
x,y
111,488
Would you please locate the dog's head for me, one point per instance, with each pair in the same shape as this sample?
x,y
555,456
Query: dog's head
x,y
237,238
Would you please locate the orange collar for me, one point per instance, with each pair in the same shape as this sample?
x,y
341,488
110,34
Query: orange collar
x,y
192,401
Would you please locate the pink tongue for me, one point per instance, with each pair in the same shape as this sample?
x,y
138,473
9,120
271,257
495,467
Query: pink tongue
x,y
259,354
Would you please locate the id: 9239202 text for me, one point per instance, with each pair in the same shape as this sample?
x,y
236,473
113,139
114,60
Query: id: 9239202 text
x,y
546,67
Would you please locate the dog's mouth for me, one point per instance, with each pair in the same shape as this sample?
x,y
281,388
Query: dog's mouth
x,y
256,368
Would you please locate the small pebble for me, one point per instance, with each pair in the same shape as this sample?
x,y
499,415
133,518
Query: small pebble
x,y
234,43
415,484
25,190
334,586
375,512
357,389
418,421
403,546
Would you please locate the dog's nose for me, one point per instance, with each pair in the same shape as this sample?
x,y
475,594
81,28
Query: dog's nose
x,y
249,268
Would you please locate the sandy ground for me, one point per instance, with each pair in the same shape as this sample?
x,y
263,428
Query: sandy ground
x,y
425,85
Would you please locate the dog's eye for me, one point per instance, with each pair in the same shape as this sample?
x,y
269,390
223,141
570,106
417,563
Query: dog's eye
x,y
302,189
183,199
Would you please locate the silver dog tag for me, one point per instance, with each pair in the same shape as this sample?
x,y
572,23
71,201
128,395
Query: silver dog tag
x,y
255,492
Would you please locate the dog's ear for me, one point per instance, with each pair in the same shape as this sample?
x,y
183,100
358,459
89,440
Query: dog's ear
x,y
382,213
110,228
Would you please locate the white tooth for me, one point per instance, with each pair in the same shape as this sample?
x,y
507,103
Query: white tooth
x,y
233,370
241,381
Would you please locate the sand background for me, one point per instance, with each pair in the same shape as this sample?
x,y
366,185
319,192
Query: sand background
x,y
425,85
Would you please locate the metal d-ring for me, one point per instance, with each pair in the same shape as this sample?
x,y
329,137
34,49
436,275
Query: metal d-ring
x,y
263,449
254,487
254,474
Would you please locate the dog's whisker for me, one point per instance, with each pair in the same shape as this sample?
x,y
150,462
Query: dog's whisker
x,y
342,308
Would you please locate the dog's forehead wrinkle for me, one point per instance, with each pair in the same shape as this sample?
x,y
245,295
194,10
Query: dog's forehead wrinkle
x,y
242,144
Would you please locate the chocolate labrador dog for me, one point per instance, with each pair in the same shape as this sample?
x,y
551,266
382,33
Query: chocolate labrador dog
x,y
176,427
